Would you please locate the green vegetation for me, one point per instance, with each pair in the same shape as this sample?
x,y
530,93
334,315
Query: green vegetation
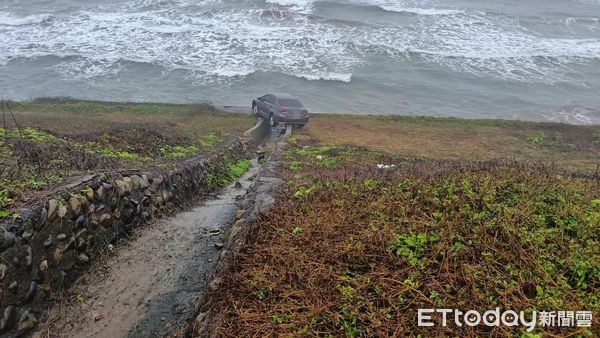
x,y
536,138
110,152
95,107
209,140
28,133
412,246
71,117
179,151
371,247
329,156
79,298
227,172
33,159
57,139
305,191
237,169
295,165
452,122
205,142
4,202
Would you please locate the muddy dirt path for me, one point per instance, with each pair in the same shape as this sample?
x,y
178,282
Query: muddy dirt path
x,y
152,285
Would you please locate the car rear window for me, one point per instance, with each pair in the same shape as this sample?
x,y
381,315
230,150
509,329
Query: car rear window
x,y
290,103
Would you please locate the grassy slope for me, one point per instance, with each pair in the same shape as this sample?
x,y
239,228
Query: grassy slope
x,y
58,140
80,117
348,250
568,146
369,248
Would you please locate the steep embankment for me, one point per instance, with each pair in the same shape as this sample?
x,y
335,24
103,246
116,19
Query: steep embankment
x,y
51,243
45,145
152,285
359,240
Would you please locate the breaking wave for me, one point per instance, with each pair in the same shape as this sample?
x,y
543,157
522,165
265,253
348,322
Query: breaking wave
x,y
9,19
220,43
340,77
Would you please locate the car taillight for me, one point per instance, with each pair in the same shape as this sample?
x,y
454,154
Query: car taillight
x,y
281,110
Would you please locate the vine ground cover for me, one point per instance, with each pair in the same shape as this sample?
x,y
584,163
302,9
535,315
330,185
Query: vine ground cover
x,y
351,250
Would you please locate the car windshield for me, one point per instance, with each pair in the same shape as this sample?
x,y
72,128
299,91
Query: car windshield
x,y
290,103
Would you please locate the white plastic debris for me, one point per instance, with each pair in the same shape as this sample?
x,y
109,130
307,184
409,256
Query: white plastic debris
x,y
386,166
319,157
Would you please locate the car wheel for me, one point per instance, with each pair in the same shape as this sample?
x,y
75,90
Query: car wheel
x,y
272,122
255,110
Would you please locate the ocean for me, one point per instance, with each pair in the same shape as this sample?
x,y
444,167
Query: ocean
x,y
513,59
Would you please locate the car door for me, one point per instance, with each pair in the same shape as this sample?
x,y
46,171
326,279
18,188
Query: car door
x,y
260,103
263,106
269,105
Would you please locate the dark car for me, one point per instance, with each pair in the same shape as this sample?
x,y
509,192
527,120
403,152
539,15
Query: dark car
x,y
280,108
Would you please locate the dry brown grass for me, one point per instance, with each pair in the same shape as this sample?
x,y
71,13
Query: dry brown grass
x,y
50,142
82,117
574,147
351,251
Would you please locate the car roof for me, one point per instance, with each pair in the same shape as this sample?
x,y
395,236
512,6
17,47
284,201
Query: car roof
x,y
283,96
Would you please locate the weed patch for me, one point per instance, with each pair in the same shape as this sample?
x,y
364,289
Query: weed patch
x,y
227,172
355,251
33,159
179,151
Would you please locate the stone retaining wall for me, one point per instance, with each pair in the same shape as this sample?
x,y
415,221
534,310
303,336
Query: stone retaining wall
x,y
259,131
53,242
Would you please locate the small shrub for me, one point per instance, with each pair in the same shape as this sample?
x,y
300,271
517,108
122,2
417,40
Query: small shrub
x,y
412,246
232,171
179,151
209,140
295,165
370,183
536,138
237,169
4,200
305,191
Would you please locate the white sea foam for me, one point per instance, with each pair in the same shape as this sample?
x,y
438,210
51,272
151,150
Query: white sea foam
x,y
9,19
588,2
235,41
422,11
327,76
302,6
395,6
218,43
86,69
574,115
